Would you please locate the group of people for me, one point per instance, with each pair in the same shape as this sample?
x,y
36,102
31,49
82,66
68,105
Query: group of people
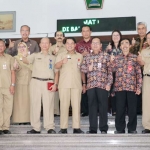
x,y
78,73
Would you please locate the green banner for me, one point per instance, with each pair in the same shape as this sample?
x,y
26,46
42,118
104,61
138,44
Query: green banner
x,y
94,4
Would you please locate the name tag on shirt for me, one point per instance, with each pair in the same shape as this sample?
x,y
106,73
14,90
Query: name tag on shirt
x,y
50,64
130,68
99,65
4,66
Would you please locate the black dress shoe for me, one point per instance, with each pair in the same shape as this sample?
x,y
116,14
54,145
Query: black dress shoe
x,y
33,132
1,132
145,131
91,132
78,131
103,132
120,132
25,123
51,131
63,131
132,132
6,132
56,115
20,123
114,114
84,114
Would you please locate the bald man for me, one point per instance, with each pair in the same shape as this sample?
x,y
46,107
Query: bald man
x,y
43,74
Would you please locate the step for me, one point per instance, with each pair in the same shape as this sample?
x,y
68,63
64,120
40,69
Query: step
x,y
74,141
19,140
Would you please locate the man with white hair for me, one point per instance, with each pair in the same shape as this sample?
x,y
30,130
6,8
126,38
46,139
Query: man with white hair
x,y
140,42
138,45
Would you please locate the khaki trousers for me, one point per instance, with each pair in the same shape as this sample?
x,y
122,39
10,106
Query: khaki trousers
x,y
38,90
56,103
65,96
146,102
6,105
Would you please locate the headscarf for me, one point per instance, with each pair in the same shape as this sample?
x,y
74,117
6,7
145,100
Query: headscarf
x,y
20,55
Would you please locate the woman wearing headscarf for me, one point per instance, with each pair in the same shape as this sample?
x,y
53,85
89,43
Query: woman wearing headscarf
x,y
21,106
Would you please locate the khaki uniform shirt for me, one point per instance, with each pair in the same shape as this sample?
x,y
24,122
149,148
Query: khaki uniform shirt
x,y
6,66
31,44
70,74
23,73
146,58
61,49
43,65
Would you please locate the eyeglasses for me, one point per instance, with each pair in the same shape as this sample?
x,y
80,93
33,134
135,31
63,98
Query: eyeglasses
x,y
24,30
95,43
116,35
20,47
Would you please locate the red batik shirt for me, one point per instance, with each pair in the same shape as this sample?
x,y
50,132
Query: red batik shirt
x,y
101,74
128,73
81,46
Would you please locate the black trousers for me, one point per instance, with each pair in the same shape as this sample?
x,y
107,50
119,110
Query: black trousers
x,y
113,99
84,102
98,100
113,103
139,104
126,99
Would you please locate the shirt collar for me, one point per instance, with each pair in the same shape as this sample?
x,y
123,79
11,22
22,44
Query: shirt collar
x,y
138,38
3,54
71,54
61,45
27,41
87,41
128,55
47,53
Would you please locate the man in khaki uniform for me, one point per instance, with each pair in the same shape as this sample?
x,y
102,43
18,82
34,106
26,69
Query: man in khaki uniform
x,y
144,60
70,86
59,47
42,74
56,49
7,83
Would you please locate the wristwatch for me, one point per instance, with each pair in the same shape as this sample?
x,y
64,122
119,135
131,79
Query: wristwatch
x,y
56,84
12,84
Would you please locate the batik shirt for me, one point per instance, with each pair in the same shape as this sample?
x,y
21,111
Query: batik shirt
x,y
128,73
114,51
101,74
139,45
82,46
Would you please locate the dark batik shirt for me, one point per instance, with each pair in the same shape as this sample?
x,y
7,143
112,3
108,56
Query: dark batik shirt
x,y
114,51
139,45
31,44
82,46
128,73
101,74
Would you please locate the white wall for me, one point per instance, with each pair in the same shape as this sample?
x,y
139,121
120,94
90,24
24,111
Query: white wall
x,y
41,15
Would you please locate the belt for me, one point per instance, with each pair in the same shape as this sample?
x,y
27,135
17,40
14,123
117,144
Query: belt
x,y
147,75
42,79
